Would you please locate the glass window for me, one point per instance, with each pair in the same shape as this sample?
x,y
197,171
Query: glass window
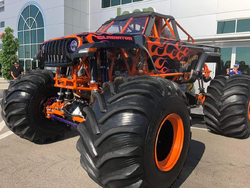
x,y
21,52
243,55
28,65
28,22
20,24
105,3
26,12
136,26
20,37
34,25
1,9
27,51
243,25
26,37
117,26
115,2
33,50
40,35
21,63
26,27
33,11
137,0
126,1
2,24
31,20
226,54
38,46
33,36
226,27
39,20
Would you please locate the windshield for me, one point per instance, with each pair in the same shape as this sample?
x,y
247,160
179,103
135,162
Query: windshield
x,y
129,26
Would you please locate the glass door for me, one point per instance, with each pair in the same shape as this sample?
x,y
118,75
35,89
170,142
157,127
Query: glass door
x,y
28,65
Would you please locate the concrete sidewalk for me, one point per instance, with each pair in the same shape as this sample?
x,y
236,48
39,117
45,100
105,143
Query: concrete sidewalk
x,y
4,84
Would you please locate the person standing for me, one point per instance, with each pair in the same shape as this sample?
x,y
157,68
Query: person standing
x,y
16,71
235,70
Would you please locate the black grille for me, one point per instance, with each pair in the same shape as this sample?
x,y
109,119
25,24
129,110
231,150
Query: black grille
x,y
57,53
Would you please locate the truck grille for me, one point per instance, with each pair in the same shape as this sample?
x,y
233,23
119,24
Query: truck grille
x,y
57,53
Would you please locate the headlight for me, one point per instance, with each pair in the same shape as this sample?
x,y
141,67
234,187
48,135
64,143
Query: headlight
x,y
87,50
73,45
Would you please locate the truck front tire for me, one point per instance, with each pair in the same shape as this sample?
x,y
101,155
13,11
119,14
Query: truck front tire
x,y
23,107
137,134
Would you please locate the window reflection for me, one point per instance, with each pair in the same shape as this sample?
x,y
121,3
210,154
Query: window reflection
x,y
126,1
108,3
33,11
226,54
40,34
243,25
243,55
226,27
115,2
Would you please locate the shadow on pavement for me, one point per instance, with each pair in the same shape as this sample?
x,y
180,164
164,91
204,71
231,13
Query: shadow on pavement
x,y
72,132
195,154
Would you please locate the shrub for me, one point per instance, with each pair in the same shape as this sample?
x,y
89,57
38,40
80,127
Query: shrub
x,y
8,53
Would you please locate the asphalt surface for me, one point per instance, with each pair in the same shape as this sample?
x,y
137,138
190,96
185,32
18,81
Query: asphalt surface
x,y
213,161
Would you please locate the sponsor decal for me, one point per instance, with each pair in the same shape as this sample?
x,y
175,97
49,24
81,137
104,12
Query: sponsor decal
x,y
207,49
113,38
189,61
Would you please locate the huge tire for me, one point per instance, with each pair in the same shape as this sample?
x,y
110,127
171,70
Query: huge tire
x,y
227,107
23,106
137,133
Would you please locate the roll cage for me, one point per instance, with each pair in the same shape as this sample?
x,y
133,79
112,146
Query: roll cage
x,y
147,23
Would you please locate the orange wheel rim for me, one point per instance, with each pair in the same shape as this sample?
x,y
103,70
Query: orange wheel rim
x,y
249,110
167,152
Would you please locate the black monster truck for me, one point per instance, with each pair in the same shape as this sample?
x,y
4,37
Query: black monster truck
x,y
120,87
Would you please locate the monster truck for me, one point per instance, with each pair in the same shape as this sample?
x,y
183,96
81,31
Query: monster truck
x,y
120,87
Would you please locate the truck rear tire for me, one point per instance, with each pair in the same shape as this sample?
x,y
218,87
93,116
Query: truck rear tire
x,y
23,106
137,133
227,107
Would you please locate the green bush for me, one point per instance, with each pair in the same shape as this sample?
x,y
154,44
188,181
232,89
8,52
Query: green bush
x,y
8,53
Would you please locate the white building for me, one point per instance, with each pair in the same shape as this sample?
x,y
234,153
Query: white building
x,y
223,23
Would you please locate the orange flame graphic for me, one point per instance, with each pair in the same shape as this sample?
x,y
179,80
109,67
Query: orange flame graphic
x,y
174,51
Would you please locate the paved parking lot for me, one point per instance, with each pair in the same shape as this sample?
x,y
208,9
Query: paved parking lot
x,y
213,161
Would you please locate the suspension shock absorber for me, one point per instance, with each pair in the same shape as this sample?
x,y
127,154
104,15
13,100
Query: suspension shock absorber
x,y
94,74
63,72
104,66
67,93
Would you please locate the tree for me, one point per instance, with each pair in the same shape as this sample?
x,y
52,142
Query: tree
x,y
8,53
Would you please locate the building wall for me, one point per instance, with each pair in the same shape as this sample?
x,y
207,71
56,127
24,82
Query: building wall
x,y
76,16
